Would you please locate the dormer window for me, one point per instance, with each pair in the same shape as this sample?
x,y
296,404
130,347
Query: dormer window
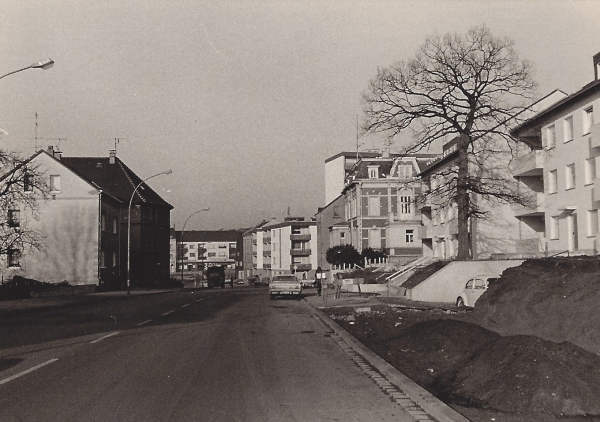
x,y
373,172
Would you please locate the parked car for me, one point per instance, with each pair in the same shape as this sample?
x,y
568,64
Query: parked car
x,y
474,288
285,285
265,281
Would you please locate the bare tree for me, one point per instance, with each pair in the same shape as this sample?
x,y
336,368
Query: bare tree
x,y
468,87
22,186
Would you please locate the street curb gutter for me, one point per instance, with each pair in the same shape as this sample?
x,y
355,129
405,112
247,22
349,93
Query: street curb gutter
x,y
430,404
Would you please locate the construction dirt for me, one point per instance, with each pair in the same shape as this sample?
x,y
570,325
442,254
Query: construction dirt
x,y
528,352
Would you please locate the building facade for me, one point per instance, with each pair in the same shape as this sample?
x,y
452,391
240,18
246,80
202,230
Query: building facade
x,y
84,225
194,250
560,171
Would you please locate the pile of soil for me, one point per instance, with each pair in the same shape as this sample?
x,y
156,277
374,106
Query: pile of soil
x,y
530,347
553,298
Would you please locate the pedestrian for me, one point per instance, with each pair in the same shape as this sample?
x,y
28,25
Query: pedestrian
x,y
318,283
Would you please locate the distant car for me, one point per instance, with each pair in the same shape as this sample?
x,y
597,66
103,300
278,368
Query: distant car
x,y
265,281
240,281
308,283
474,288
285,285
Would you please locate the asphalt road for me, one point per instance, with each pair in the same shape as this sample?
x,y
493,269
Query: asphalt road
x,y
210,355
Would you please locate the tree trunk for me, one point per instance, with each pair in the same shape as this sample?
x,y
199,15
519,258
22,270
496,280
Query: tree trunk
x,y
462,198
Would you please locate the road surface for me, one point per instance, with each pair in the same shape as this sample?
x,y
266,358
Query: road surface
x,y
209,355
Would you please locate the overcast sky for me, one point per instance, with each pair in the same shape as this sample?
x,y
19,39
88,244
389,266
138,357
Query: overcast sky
x,y
244,100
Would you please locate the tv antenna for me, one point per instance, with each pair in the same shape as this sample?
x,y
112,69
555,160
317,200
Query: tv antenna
x,y
117,140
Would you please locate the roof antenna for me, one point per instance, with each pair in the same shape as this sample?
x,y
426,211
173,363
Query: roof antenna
x,y
117,140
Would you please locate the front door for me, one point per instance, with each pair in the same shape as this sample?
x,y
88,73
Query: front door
x,y
572,232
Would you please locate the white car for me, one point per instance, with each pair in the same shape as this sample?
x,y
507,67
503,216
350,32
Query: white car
x,y
474,288
285,285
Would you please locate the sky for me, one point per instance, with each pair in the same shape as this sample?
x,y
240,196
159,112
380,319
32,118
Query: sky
x,y
243,100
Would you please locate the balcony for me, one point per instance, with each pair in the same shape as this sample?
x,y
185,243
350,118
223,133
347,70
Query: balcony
x,y
300,267
595,136
300,237
596,190
300,252
531,164
535,210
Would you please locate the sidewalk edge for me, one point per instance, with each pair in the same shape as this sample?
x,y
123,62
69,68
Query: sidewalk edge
x,y
430,404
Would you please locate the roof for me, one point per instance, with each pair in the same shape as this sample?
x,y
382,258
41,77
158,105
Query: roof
x,y
361,154
116,179
591,88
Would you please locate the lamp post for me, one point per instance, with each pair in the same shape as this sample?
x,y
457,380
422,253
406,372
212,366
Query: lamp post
x,y
129,226
181,239
44,64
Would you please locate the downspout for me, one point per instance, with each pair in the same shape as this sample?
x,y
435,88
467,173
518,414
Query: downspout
x,y
99,235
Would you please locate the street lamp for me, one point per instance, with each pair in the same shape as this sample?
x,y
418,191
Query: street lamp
x,y
129,224
44,64
181,238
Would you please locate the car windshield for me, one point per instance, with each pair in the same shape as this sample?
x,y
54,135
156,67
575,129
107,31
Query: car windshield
x,y
284,279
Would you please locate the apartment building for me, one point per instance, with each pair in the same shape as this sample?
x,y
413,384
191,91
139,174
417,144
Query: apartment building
x,y
84,225
338,168
560,171
380,205
294,246
196,249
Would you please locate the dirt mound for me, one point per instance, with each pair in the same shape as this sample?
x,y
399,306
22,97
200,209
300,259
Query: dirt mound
x,y
525,374
434,347
553,298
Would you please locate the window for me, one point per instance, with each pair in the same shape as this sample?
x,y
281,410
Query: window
x,y
342,235
374,209
55,183
296,230
212,254
405,171
554,228
28,183
405,204
588,120
192,246
552,181
373,172
114,259
14,258
103,222
14,219
550,137
592,223
568,126
570,176
410,235
102,260
114,226
590,170
192,255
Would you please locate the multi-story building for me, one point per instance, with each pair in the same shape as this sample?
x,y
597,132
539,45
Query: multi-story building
x,y
84,225
196,249
332,230
337,169
560,171
498,232
254,250
293,245
380,206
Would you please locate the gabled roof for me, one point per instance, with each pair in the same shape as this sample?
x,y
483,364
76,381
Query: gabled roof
x,y
116,179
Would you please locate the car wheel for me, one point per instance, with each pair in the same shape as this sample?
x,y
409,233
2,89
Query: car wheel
x,y
460,302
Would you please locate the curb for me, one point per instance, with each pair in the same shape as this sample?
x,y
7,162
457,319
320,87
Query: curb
x,y
431,405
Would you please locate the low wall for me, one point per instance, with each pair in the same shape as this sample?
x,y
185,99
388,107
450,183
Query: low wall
x,y
65,291
448,283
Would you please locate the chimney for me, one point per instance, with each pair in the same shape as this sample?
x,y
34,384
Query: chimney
x,y
596,66
54,152
112,155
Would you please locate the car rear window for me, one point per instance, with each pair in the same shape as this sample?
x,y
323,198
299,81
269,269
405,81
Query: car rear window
x,y
285,278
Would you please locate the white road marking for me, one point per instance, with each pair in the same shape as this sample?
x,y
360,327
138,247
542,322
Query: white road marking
x,y
187,304
167,313
20,374
143,323
103,337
